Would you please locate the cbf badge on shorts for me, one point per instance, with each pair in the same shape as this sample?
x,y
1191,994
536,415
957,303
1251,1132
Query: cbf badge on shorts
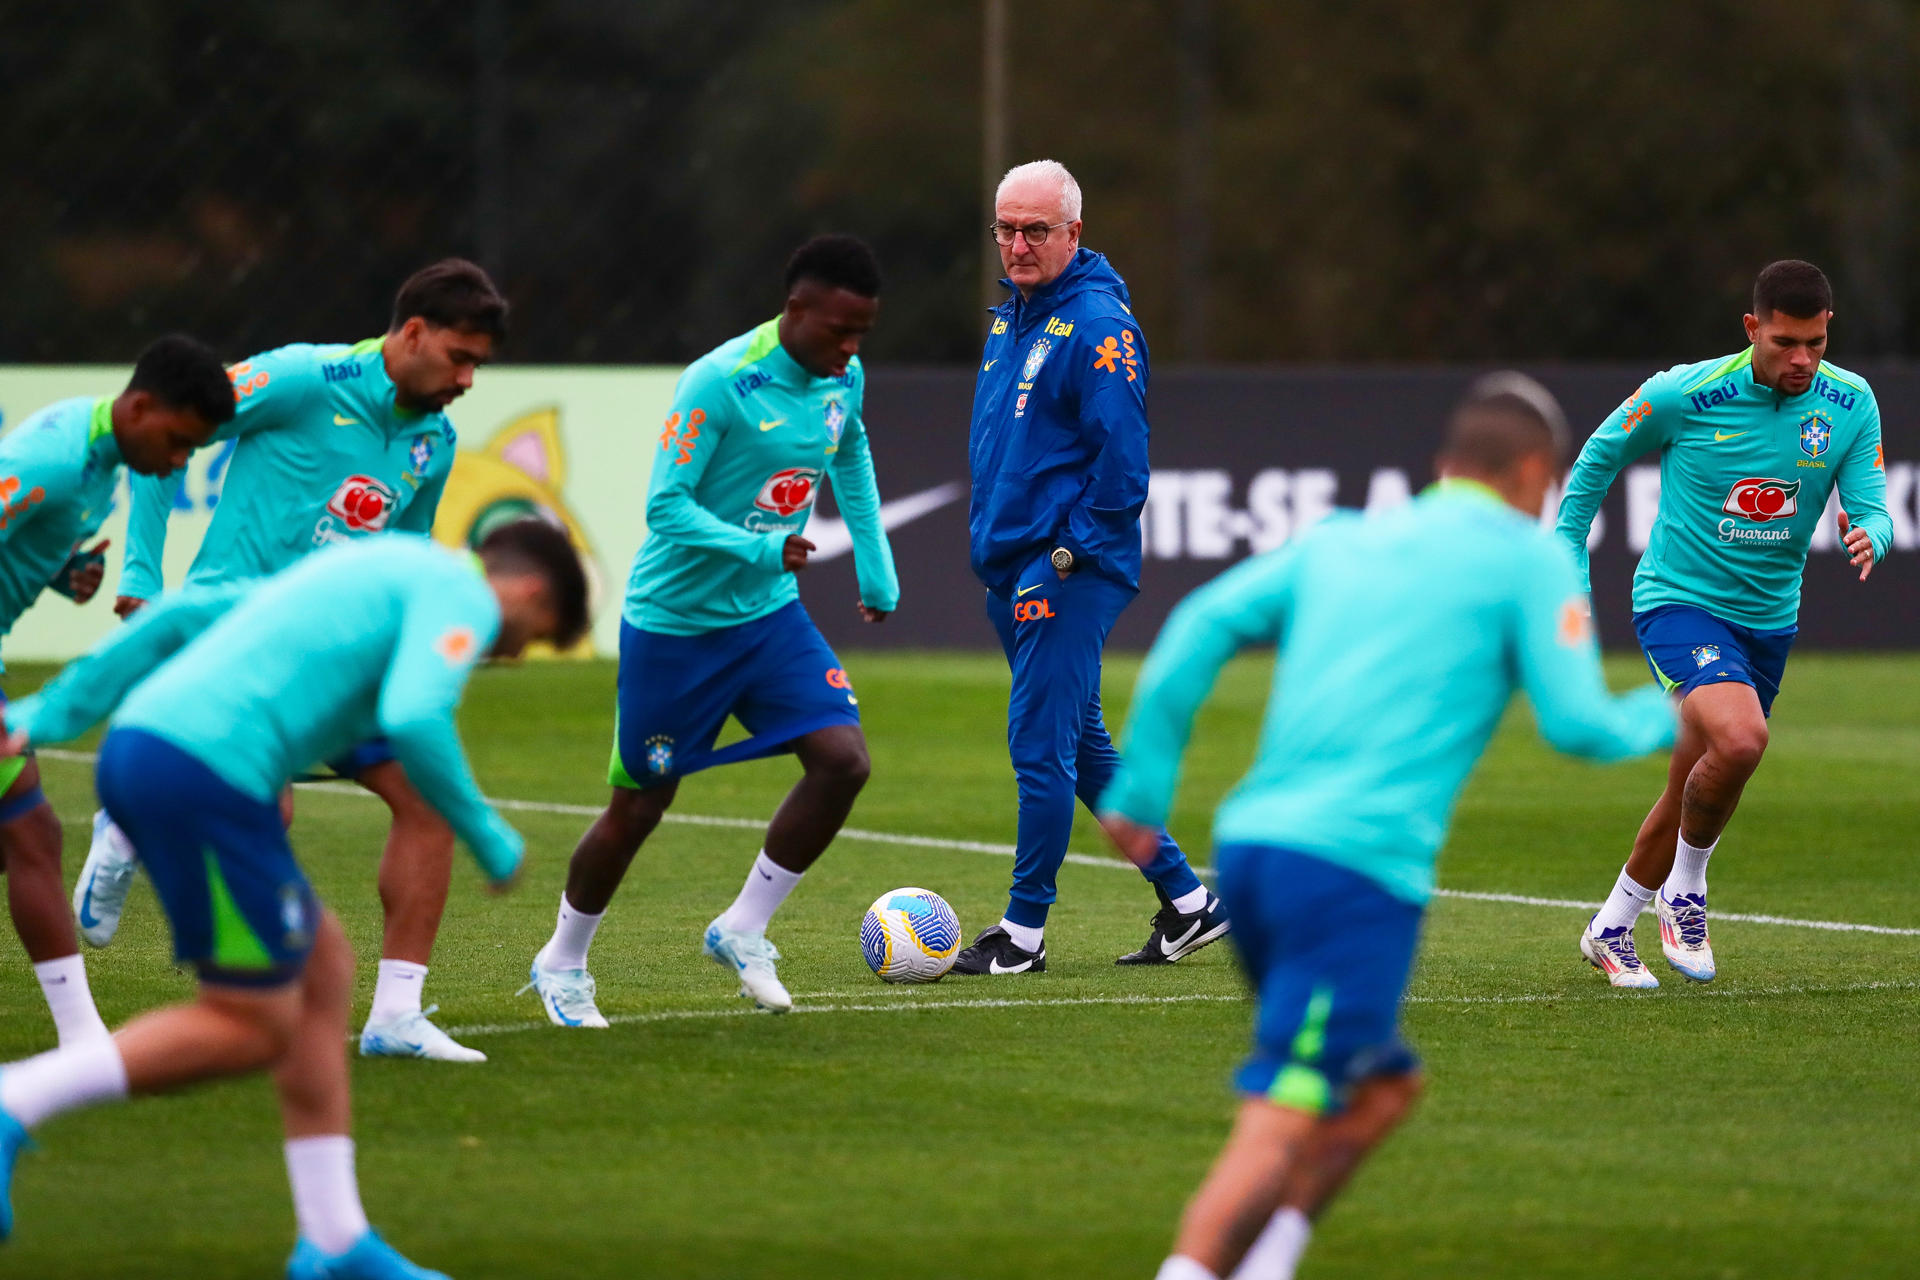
x,y
1706,655
296,929
660,754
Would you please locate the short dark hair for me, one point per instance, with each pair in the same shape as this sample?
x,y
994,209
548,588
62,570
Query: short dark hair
x,y
533,545
185,373
1505,417
1796,288
837,261
452,294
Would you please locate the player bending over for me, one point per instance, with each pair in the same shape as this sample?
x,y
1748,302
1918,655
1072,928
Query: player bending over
x,y
713,624
252,683
1750,447
334,443
1401,637
58,470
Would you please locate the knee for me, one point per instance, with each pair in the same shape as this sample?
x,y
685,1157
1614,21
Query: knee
x,y
845,766
1400,1093
633,815
1740,745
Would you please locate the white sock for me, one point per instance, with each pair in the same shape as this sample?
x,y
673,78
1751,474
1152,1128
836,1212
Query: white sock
x,y
1191,901
1623,905
572,935
64,983
76,1075
767,886
1277,1252
326,1195
1024,936
1181,1267
397,993
1689,873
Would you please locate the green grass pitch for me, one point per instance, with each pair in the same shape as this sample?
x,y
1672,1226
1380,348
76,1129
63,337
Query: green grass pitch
x,y
1053,1126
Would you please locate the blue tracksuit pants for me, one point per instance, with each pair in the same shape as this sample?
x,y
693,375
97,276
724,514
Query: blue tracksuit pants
x,y
1053,632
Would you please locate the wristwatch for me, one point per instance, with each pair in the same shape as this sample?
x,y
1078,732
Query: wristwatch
x,y
1062,559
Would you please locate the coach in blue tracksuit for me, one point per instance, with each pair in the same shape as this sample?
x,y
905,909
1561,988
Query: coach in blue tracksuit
x,y
1058,454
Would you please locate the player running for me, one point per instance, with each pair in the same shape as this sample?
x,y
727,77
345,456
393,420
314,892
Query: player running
x,y
1750,447
249,682
713,624
58,472
1402,637
334,443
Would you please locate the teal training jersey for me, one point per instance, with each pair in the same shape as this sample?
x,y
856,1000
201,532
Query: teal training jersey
x,y
738,465
57,472
1402,635
261,680
323,455
1744,478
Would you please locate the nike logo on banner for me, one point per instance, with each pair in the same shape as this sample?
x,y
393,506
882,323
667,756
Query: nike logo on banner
x,y
1722,436
1035,587
340,421
768,426
994,966
832,539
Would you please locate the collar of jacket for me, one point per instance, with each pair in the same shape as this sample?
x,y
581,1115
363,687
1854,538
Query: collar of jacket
x,y
1087,272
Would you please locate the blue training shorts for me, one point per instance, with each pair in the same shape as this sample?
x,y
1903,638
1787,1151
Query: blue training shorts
x,y
1687,647
10,770
1328,952
362,758
241,909
776,675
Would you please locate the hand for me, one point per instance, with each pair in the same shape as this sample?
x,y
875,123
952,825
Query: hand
x,y
1859,546
12,744
126,606
793,558
83,582
1139,844
873,615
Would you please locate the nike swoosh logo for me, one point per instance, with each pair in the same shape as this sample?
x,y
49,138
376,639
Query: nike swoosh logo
x,y
768,426
1035,587
988,366
87,918
764,875
1171,945
340,420
994,966
1720,436
832,539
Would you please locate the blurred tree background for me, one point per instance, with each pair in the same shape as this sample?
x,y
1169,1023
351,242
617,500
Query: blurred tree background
x,y
1382,180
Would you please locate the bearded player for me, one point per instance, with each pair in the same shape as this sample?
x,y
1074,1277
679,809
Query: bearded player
x,y
1750,447
713,624
336,443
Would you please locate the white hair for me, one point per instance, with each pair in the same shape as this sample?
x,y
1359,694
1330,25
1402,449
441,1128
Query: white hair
x,y
1054,172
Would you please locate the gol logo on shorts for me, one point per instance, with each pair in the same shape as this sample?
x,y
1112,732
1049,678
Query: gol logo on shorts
x,y
837,677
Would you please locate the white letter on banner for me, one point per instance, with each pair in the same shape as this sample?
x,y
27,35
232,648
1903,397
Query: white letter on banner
x,y
1267,504
1208,537
1643,504
1162,514
1314,495
1387,487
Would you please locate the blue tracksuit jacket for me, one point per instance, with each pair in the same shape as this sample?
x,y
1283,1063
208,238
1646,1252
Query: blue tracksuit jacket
x,y
1058,449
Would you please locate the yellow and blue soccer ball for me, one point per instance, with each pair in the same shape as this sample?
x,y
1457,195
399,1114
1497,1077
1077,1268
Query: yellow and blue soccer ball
x,y
910,935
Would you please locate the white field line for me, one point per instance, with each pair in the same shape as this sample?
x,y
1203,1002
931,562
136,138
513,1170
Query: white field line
x,y
1080,859
867,1005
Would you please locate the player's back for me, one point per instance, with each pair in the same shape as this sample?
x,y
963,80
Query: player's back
x,y
1401,648
293,674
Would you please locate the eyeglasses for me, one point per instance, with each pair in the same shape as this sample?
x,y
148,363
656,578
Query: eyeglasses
x,y
1036,234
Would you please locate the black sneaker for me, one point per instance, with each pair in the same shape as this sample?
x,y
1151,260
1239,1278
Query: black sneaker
x,y
1176,936
996,953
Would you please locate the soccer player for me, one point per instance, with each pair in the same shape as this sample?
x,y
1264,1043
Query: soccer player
x,y
1750,447
1058,455
713,624
234,688
1401,637
335,443
58,470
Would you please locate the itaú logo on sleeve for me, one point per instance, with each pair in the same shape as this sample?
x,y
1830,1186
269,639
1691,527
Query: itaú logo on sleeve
x,y
789,491
363,503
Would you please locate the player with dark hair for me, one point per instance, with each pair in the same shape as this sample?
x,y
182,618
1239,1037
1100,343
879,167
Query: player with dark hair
x,y
58,471
336,443
1751,446
1402,637
225,692
713,624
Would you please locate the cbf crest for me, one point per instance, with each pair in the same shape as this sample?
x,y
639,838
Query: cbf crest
x,y
1816,433
660,754
420,455
836,418
1706,655
1036,356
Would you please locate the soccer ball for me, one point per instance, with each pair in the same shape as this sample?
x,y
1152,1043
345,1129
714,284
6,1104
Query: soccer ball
x,y
910,935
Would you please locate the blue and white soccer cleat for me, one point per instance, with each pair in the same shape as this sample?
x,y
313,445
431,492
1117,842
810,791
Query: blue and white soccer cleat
x,y
370,1258
1611,951
100,894
1683,934
750,956
566,995
13,1137
413,1036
